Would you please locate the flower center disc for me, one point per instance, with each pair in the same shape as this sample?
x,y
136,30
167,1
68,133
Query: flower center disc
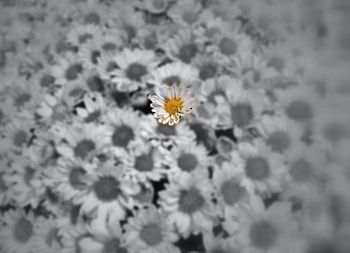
x,y
173,105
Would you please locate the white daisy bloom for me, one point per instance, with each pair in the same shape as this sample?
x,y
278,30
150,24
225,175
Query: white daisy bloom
x,y
133,68
26,181
232,194
47,239
109,193
95,106
280,133
188,157
19,232
187,200
263,169
299,103
83,141
16,135
182,46
144,163
72,237
186,13
68,69
150,232
171,103
267,230
81,34
69,178
123,129
174,73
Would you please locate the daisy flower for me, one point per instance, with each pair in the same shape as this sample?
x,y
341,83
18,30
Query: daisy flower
x,y
279,133
94,107
245,107
134,67
25,94
174,73
187,200
68,69
144,163
299,103
26,181
154,6
19,232
81,141
68,178
145,197
186,13
109,193
94,13
72,237
16,135
165,135
262,168
149,231
207,66
106,65
252,69
267,230
47,239
105,237
89,53
232,194
5,189
171,103
123,129
306,165
182,46
80,34
226,10
188,157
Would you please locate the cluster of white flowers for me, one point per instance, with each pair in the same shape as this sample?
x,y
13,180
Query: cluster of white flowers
x,y
173,126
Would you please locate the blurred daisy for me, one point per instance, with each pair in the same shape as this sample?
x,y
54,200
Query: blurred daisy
x,y
165,135
204,134
262,168
232,194
299,103
26,181
123,129
94,107
306,165
171,103
207,66
150,232
16,135
267,230
19,232
68,178
109,194
105,237
154,6
182,46
279,133
94,13
252,69
145,197
89,53
72,237
5,187
245,107
25,94
80,34
68,69
186,13
188,201
134,67
47,239
144,163
226,10
188,157
106,65
82,141
174,73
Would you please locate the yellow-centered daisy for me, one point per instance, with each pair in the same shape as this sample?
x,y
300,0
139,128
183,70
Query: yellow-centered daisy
x,y
170,103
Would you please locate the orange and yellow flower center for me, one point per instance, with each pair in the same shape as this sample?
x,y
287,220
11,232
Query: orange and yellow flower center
x,y
173,105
